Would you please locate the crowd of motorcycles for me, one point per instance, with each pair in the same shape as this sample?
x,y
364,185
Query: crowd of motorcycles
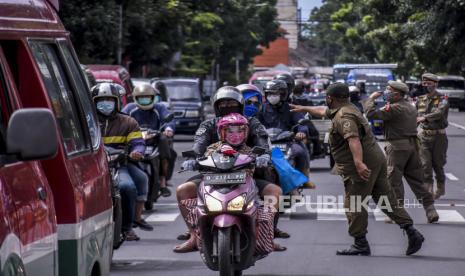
x,y
234,229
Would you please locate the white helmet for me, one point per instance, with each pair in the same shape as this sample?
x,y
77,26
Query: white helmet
x,y
144,96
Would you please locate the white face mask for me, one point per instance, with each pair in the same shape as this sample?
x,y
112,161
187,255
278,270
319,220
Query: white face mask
x,y
273,99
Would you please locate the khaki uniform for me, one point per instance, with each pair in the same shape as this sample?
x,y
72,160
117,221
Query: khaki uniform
x,y
347,122
402,152
433,138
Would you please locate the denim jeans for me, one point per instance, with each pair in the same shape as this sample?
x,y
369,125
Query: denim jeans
x,y
133,186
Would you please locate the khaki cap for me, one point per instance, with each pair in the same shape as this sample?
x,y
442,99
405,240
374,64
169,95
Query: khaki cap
x,y
429,76
399,86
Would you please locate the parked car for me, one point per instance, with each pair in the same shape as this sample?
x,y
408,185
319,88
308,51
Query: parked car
x,y
185,102
55,194
454,88
114,73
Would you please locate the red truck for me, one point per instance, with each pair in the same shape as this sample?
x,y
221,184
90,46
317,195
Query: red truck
x,y
55,193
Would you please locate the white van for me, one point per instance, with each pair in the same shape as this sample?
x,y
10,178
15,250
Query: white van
x,y
454,88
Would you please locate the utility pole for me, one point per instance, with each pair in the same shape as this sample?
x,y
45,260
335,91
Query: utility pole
x,y
119,52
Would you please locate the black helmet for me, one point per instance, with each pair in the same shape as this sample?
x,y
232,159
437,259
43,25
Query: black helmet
x,y
288,79
276,86
228,93
299,87
108,90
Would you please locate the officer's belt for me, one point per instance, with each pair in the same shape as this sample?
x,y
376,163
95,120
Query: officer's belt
x,y
434,131
400,139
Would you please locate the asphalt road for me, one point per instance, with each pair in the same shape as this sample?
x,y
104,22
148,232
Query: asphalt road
x,y
318,233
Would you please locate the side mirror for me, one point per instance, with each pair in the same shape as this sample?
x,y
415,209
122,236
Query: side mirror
x,y
169,118
258,150
304,121
31,134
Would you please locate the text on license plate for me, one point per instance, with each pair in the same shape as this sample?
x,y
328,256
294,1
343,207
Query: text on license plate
x,y
224,178
282,147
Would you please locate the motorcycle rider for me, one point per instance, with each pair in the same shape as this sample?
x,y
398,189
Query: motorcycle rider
x,y
253,99
226,100
149,113
121,131
299,98
290,83
276,113
355,97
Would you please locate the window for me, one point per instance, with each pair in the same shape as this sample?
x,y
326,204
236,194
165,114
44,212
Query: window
x,y
61,96
83,95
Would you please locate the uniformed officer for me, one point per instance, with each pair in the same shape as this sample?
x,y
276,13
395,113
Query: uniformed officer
x,y
400,130
362,165
433,109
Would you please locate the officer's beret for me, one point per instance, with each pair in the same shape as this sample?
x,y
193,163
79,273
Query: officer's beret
x,y
399,86
429,76
338,90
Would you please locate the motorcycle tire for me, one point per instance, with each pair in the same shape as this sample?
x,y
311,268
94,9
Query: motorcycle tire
x,y
118,222
225,256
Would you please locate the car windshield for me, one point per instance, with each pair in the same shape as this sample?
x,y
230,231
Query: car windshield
x,y
182,91
451,85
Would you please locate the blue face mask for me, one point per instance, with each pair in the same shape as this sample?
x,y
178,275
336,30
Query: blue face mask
x,y
106,107
144,100
250,110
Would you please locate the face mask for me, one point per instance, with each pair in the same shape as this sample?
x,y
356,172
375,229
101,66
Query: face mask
x,y
250,110
228,110
354,97
144,100
106,107
430,88
235,138
328,102
273,99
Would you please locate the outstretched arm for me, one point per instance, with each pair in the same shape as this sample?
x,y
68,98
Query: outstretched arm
x,y
318,111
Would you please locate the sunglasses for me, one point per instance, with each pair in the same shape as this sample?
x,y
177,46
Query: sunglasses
x,y
256,103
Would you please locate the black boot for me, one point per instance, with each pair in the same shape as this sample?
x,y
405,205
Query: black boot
x,y
277,232
415,239
360,247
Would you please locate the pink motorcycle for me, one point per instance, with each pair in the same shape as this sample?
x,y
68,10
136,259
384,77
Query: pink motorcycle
x,y
234,229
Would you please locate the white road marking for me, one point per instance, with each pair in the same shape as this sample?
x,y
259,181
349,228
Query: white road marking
x,y
452,177
457,125
331,214
450,216
162,217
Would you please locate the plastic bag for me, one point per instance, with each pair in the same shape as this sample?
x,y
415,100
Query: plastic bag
x,y
289,177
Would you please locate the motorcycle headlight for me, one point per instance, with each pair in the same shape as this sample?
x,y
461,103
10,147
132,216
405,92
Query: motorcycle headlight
x,y
213,204
192,113
250,205
237,203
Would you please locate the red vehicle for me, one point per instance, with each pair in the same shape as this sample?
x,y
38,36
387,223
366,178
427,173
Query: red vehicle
x,y
114,73
56,213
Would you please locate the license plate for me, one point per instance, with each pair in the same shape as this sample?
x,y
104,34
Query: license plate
x,y
224,178
192,124
282,147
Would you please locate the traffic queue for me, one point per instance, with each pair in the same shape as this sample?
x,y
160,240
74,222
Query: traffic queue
x,y
80,164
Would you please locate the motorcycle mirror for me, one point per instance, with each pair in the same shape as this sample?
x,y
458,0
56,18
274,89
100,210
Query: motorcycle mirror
x,y
189,154
304,121
258,150
169,118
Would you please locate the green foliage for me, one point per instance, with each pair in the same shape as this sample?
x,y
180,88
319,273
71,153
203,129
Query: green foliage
x,y
418,35
201,32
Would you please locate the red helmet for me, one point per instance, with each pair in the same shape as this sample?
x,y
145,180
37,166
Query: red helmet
x,y
233,122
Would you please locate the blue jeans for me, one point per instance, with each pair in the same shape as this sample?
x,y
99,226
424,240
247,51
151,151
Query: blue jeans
x,y
133,186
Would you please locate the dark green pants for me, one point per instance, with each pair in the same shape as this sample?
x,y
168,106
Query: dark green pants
x,y
433,154
404,161
378,188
